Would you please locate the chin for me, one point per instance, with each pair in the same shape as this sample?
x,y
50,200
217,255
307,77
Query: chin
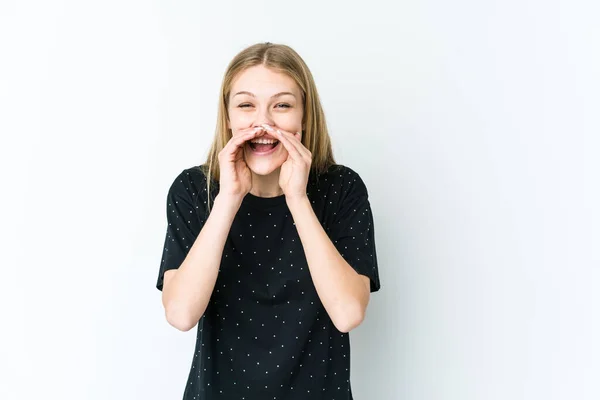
x,y
265,164
264,170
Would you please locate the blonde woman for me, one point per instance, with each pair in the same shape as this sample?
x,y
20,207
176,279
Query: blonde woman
x,y
270,245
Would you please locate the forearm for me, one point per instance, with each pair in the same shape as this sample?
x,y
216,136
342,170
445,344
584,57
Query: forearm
x,y
339,287
186,296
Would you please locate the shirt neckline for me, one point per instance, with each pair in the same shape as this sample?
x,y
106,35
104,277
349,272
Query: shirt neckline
x,y
263,202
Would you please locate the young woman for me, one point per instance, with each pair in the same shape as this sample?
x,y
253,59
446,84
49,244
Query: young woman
x,y
270,245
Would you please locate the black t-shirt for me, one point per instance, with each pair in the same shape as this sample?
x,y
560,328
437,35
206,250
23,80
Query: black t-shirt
x,y
265,334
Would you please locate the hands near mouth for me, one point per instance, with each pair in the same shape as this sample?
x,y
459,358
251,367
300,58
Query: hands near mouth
x,y
294,173
236,178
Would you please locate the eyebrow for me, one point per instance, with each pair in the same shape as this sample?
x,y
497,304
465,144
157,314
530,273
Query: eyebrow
x,y
275,95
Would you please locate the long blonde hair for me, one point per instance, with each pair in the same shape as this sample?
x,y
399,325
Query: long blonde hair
x,y
283,59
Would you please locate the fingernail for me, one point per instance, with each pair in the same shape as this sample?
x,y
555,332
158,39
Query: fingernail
x,y
267,127
278,131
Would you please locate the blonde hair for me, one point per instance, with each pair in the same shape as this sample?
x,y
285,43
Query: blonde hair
x,y
283,59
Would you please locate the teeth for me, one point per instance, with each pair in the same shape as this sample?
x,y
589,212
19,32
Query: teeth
x,y
264,141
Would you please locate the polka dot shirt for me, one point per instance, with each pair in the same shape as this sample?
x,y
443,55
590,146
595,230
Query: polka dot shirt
x,y
265,334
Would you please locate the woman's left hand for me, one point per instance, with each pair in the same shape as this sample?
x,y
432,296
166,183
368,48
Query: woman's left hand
x,y
293,177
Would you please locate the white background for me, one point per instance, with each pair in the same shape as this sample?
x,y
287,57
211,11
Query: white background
x,y
475,125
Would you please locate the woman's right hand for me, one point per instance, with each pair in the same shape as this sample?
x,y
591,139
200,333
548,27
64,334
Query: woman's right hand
x,y
236,179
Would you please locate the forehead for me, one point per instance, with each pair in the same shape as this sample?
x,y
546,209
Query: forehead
x,y
263,81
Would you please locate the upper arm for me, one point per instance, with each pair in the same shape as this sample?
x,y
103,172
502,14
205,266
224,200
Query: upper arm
x,y
367,284
185,218
168,275
352,230
366,281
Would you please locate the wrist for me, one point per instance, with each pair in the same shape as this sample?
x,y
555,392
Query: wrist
x,y
298,201
231,203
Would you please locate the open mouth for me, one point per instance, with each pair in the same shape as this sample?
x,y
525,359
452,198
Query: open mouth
x,y
263,145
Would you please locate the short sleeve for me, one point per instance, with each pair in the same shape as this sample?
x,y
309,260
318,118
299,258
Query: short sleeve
x,y
185,218
353,231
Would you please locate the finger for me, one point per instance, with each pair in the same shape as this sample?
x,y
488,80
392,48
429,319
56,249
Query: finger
x,y
296,142
236,142
290,147
298,136
247,131
293,139
270,129
243,137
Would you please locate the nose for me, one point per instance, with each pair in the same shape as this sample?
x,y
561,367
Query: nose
x,y
263,116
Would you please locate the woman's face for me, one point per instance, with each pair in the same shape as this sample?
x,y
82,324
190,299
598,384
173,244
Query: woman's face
x,y
261,96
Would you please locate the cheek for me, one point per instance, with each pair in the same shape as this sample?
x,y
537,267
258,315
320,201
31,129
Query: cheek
x,y
289,122
239,120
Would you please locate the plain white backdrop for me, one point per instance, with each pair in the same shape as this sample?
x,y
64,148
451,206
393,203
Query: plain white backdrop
x,y
475,125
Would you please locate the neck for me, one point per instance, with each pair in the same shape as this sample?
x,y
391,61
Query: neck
x,y
266,185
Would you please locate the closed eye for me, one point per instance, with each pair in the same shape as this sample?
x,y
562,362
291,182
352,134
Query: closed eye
x,y
283,105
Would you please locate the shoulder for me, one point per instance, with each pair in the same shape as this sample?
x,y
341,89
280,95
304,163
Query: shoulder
x,y
191,176
189,183
344,179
